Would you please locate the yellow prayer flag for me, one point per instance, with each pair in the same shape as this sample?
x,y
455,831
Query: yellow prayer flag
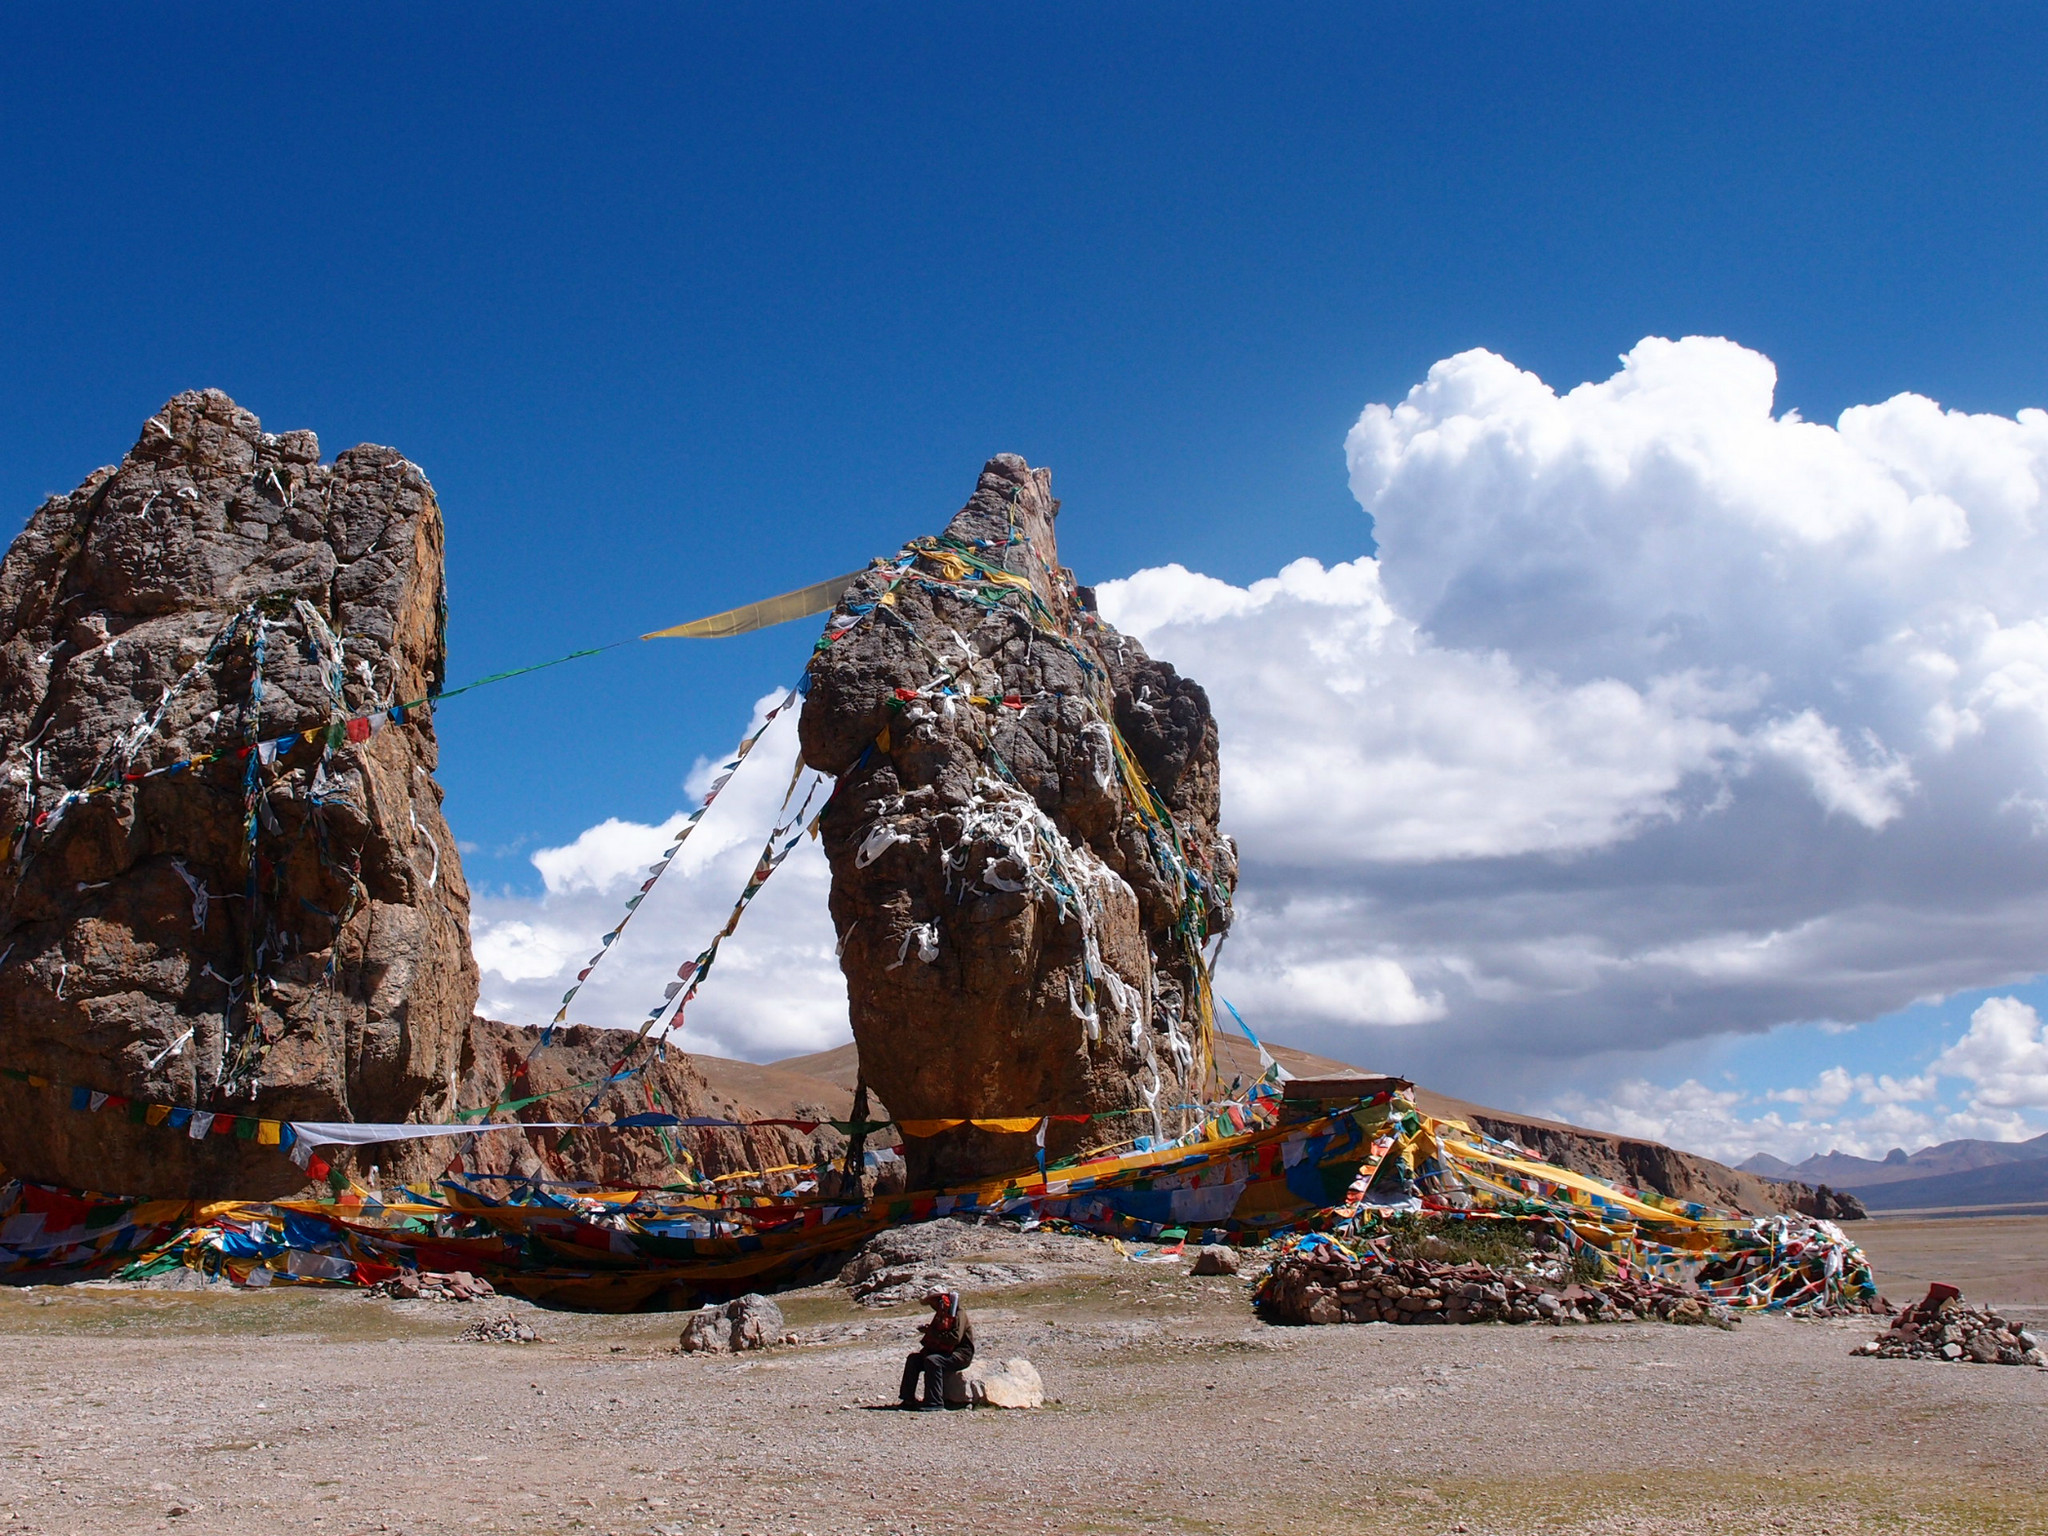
x,y
928,1127
821,597
1578,1187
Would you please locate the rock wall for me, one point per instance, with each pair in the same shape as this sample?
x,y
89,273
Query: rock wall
x,y
287,935
1024,846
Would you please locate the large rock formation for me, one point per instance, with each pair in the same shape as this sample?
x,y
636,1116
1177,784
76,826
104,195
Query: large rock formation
x,y
1025,858
284,936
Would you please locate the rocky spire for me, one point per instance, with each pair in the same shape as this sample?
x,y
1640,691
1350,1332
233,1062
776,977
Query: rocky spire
x,y
1024,845
284,934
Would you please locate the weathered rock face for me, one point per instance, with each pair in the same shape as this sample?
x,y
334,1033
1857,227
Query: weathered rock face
x,y
1024,850
285,936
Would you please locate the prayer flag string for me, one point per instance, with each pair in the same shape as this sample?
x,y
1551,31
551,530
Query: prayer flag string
x,y
112,773
660,866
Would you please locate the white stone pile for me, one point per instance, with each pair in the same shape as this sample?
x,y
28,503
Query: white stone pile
x,y
498,1330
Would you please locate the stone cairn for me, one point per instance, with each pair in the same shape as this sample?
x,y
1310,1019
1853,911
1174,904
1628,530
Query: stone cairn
x,y
1942,1326
499,1330
431,1285
1327,1286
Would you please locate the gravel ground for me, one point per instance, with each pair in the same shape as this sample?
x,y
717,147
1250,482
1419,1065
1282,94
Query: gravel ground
x,y
1174,1411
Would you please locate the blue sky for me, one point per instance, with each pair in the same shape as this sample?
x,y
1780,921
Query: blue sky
x,y
680,307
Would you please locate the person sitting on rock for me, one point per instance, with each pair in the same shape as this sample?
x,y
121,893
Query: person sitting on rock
x,y
947,1345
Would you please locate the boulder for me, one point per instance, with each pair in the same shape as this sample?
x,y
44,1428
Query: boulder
x,y
750,1322
996,1384
1215,1259
283,934
756,1322
1827,1204
1023,842
908,1263
707,1332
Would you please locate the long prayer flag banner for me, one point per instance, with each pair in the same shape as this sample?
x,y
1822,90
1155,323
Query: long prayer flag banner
x,y
655,870
628,1249
367,1133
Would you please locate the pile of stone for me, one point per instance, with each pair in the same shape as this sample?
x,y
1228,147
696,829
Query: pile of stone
x,y
1326,1286
751,1322
498,1330
430,1285
1943,1327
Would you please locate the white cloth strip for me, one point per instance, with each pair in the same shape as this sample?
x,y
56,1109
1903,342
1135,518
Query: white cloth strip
x,y
363,1133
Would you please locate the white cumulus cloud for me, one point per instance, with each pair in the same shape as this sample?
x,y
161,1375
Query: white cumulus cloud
x,y
1864,1114
1660,713
775,989
2004,1056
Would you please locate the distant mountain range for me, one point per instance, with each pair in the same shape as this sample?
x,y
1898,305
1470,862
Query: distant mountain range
x,y
1965,1172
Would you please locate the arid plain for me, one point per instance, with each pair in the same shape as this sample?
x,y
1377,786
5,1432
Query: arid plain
x,y
1174,1410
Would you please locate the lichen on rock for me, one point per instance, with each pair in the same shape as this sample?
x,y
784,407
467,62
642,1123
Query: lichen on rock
x,y
283,933
1024,845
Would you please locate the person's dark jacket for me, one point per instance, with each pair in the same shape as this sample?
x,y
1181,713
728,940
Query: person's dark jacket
x,y
948,1335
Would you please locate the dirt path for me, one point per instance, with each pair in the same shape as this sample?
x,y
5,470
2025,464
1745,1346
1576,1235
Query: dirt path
x,y
1176,1411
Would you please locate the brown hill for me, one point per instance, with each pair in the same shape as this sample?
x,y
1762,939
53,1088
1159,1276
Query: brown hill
x,y
501,1063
